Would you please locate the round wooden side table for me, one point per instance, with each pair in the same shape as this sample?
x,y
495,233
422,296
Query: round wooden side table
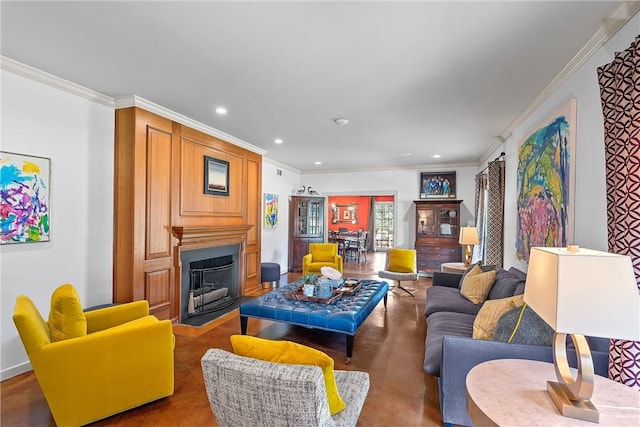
x,y
453,267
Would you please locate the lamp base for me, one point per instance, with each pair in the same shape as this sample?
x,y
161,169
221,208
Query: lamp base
x,y
579,409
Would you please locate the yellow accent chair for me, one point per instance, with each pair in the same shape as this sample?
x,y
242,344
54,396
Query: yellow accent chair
x,y
91,365
321,255
400,265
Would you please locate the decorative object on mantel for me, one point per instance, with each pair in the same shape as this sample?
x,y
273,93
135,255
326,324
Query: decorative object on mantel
x,y
546,183
438,185
312,192
26,209
216,176
581,292
302,190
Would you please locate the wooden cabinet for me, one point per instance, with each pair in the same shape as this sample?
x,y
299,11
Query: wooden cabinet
x,y
437,231
306,225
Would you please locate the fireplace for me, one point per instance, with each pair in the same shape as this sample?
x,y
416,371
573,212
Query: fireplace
x,y
209,279
202,246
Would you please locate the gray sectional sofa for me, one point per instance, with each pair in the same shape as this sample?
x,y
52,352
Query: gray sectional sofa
x,y
451,352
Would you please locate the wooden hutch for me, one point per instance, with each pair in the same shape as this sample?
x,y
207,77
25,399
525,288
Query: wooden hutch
x,y
437,231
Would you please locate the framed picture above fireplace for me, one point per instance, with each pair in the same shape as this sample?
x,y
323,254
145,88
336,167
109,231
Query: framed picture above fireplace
x,y
216,176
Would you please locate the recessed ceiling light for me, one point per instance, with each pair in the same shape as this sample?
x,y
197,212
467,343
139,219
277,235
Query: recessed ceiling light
x,y
436,156
342,121
318,163
278,141
221,110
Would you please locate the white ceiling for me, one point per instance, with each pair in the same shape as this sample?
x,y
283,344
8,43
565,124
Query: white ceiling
x,y
412,77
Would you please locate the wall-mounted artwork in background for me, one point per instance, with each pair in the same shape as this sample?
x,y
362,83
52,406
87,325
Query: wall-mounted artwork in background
x,y
546,183
25,206
438,185
270,210
216,176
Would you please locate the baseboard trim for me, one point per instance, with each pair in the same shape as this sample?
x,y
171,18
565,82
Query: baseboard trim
x,y
15,370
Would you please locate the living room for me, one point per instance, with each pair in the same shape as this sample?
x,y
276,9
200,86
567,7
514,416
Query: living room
x,y
74,126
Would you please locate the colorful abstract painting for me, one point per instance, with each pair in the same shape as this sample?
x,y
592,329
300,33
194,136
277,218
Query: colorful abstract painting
x,y
545,183
26,210
270,210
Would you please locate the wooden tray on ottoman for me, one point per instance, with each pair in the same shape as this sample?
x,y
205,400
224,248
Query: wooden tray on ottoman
x,y
298,295
350,287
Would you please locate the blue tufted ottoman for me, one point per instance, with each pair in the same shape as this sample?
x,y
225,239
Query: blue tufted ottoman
x,y
345,315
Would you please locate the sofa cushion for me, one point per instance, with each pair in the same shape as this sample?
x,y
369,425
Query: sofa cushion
x,y
476,285
293,354
441,298
522,325
66,317
438,325
505,285
491,311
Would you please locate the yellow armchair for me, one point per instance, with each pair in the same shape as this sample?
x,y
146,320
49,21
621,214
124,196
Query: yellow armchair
x,y
125,359
321,255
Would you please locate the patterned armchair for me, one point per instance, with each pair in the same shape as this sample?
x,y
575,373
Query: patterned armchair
x,y
244,391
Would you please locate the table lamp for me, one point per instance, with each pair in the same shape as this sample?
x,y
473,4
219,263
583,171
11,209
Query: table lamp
x,y
581,292
468,237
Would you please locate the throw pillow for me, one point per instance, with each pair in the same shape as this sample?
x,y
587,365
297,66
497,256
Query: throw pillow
x,y
293,354
491,311
505,285
523,326
66,318
401,261
476,285
484,268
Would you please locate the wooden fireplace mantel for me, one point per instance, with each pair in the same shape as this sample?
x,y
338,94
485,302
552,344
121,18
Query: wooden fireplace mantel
x,y
206,237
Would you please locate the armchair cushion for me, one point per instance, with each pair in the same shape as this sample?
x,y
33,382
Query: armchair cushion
x,y
324,253
401,261
291,353
66,318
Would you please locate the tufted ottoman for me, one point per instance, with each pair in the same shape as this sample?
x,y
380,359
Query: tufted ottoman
x,y
345,315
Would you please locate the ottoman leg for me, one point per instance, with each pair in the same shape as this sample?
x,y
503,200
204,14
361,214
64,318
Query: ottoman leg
x,y
349,348
243,324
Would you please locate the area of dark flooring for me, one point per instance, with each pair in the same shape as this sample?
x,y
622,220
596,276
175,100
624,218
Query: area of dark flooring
x,y
389,346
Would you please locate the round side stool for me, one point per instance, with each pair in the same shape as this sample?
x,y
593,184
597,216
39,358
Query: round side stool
x,y
270,274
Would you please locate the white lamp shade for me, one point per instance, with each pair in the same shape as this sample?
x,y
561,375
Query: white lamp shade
x,y
468,236
585,292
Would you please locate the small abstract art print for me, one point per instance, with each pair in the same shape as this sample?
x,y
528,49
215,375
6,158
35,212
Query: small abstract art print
x,y
546,183
26,206
438,185
270,210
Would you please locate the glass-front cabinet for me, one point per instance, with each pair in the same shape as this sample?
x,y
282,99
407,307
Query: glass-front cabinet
x,y
437,230
306,225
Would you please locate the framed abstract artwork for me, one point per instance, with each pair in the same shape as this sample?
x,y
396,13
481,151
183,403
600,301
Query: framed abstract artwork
x,y
270,210
216,176
546,183
26,205
438,185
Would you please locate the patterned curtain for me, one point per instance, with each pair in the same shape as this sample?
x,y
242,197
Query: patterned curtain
x,y
479,252
495,213
620,97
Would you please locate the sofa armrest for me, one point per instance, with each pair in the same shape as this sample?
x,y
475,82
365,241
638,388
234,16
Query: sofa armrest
x,y
105,318
461,354
450,280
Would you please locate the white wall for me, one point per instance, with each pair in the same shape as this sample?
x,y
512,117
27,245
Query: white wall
x,y
78,136
590,196
405,184
275,241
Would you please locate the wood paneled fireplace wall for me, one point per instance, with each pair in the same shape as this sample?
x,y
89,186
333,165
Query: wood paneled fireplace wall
x,y
159,198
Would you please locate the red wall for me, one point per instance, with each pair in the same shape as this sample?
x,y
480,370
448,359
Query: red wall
x,y
364,207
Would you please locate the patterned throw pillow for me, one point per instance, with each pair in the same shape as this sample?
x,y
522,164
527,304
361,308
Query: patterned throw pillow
x,y
476,285
293,354
491,311
523,326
